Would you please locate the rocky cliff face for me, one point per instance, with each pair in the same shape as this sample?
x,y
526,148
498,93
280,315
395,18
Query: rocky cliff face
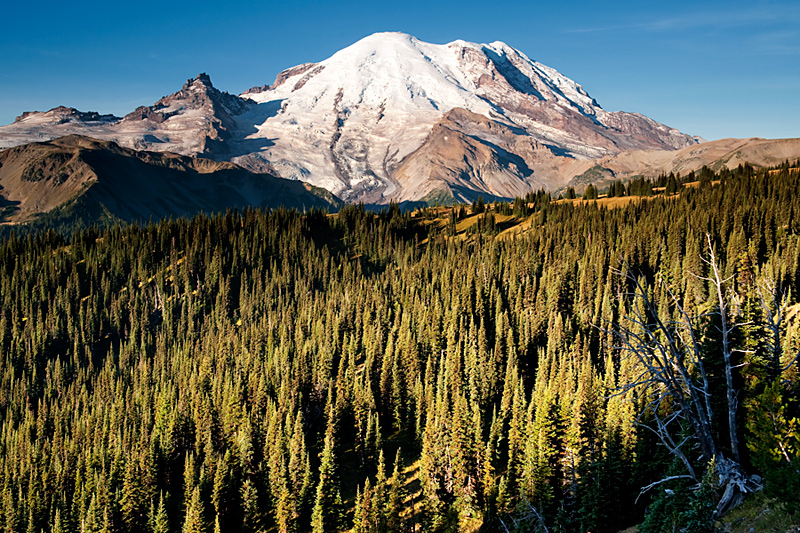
x,y
197,120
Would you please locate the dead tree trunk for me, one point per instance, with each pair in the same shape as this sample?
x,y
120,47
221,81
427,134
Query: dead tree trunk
x,y
674,380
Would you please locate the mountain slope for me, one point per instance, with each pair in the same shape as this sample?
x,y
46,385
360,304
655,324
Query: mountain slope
x,y
719,154
358,122
115,183
348,123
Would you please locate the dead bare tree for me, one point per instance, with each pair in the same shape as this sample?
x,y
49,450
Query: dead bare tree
x,y
774,303
674,381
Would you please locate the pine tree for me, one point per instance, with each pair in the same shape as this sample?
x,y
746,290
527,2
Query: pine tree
x,y
251,509
393,507
775,443
221,488
327,513
159,521
132,504
193,521
211,347
364,516
58,526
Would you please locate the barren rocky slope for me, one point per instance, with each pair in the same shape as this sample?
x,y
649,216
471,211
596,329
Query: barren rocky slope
x,y
107,182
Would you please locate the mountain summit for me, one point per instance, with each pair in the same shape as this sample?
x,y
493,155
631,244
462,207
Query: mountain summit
x,y
387,118
363,123
196,120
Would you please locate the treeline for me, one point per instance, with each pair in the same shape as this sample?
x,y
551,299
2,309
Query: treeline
x,y
667,183
278,371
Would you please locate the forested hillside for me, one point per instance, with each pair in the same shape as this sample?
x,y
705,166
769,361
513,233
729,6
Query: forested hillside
x,y
279,371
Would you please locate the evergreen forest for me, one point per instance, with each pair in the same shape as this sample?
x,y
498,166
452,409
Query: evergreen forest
x,y
469,368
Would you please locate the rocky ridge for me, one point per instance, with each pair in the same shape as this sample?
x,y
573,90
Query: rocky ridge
x,y
100,181
197,120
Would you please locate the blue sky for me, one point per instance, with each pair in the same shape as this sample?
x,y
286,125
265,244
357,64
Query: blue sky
x,y
714,69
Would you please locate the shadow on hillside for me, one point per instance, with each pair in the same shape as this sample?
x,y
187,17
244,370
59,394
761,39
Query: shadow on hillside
x,y
520,163
248,124
512,74
8,208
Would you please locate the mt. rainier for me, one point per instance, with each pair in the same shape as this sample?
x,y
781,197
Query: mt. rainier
x,y
387,118
364,122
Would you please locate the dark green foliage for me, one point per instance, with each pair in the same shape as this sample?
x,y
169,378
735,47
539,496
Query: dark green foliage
x,y
478,206
617,188
640,186
504,208
672,184
32,174
775,442
705,176
158,521
520,208
593,175
247,371
604,490
194,521
538,199
486,224
328,508
680,507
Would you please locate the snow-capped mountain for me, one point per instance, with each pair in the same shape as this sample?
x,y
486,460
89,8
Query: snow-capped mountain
x,y
387,118
356,121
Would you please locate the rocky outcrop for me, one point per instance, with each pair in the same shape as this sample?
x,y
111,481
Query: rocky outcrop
x,y
197,120
63,115
202,116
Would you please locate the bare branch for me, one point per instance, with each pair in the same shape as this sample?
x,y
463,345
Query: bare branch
x,y
793,361
536,514
660,482
670,371
774,307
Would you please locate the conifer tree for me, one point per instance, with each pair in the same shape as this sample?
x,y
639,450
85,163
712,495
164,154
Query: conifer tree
x,y
139,363
251,507
193,520
393,507
159,521
327,513
132,504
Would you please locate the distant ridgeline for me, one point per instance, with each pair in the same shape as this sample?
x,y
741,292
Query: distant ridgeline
x,y
279,371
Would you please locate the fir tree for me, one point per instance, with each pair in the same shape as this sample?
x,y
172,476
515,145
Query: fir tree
x,y
327,512
193,520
